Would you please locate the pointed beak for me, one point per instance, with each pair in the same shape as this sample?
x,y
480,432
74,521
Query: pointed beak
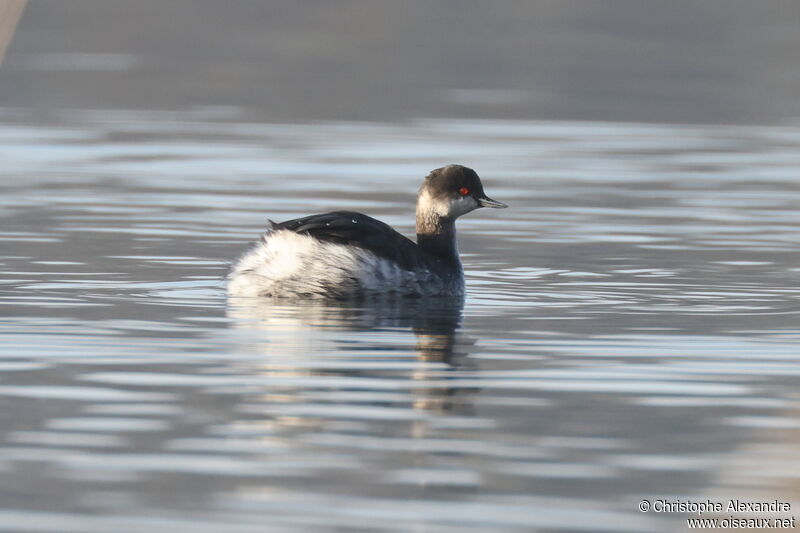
x,y
488,202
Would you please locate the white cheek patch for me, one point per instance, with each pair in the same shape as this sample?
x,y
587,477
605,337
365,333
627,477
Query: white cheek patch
x,y
428,204
462,206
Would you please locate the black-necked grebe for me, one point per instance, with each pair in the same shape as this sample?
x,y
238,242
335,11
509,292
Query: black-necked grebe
x,y
345,254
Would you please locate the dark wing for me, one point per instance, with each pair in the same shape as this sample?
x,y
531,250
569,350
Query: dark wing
x,y
356,229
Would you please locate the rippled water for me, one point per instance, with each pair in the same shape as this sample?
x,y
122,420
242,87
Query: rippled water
x,y
630,330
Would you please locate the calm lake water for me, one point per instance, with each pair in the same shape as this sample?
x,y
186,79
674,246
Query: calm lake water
x,y
630,329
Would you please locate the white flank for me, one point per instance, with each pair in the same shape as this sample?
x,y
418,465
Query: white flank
x,y
287,264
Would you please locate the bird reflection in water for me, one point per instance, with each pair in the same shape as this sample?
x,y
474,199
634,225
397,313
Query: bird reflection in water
x,y
366,339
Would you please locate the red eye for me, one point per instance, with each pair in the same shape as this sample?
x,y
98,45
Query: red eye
x,y
464,191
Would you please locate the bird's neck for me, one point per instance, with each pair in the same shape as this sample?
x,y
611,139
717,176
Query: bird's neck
x,y
436,234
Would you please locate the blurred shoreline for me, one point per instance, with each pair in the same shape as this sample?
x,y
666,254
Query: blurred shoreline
x,y
683,62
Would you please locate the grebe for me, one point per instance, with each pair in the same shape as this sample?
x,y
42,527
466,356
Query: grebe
x,y
345,254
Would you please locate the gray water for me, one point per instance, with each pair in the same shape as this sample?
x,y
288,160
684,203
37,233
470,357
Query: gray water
x,y
629,332
630,329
